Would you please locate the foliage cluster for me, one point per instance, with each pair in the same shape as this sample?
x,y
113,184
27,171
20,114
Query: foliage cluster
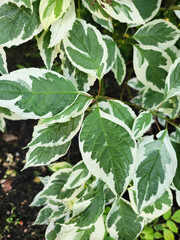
x,y
126,176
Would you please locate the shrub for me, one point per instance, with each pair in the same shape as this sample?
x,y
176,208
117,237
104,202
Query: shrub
x,y
126,174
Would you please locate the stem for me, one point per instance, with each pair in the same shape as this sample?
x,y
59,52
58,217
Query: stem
x,y
171,8
156,123
99,91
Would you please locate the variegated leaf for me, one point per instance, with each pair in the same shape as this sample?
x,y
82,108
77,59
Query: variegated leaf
x,y
94,232
86,49
175,140
151,99
108,149
134,83
48,54
43,216
59,212
60,28
119,68
171,107
155,169
53,229
142,124
151,66
172,86
177,12
89,215
18,25
78,107
119,110
155,210
3,62
122,222
2,124
178,197
78,176
51,10
123,11
98,14
25,3
173,52
34,93
56,182
42,155
112,52
148,9
49,135
159,33
82,80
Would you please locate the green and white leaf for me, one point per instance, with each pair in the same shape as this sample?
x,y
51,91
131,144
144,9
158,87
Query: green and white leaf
x,y
81,80
34,93
49,135
25,3
2,124
177,12
159,33
119,110
173,52
18,25
86,49
147,9
135,84
43,216
171,107
90,214
60,28
51,10
38,201
78,107
122,222
119,68
94,232
53,229
142,124
56,182
123,11
108,149
151,66
151,99
172,85
178,197
3,62
98,14
48,54
112,52
155,169
155,210
78,176
42,155
175,140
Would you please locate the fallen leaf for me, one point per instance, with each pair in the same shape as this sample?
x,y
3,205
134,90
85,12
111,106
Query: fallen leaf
x,y
6,186
9,137
36,180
